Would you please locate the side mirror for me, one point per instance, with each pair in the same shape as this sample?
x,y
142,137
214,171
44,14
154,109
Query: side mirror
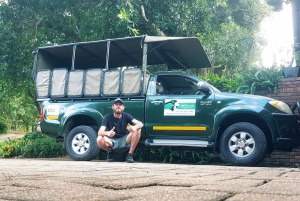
x,y
204,88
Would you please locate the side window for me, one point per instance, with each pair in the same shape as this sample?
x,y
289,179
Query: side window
x,y
156,88
160,89
176,85
151,88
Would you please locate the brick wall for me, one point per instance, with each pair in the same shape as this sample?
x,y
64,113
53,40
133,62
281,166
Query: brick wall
x,y
289,92
281,158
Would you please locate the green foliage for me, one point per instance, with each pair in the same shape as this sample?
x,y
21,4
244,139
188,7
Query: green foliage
x,y
33,145
9,149
277,4
247,81
260,79
225,82
19,112
34,136
125,17
45,148
1,145
167,155
232,40
3,126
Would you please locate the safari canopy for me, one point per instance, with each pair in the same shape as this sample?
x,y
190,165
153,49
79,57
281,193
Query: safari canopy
x,y
175,52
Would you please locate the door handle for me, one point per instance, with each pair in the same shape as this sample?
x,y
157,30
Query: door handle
x,y
156,102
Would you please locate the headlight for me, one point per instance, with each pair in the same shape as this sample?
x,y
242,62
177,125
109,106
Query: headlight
x,y
281,106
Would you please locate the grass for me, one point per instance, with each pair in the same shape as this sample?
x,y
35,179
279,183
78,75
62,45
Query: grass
x,y
2,144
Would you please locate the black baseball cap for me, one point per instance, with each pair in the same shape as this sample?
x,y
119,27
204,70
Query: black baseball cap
x,y
118,99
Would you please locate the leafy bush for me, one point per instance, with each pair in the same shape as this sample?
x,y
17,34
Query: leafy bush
x,y
167,155
260,79
247,81
226,83
3,126
34,135
33,145
45,148
9,148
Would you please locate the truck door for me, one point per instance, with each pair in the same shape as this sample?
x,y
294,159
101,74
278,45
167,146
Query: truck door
x,y
176,109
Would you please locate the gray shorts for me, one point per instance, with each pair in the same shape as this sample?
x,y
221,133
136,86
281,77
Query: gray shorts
x,y
119,144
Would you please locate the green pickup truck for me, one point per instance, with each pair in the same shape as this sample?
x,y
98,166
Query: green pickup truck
x,y
78,82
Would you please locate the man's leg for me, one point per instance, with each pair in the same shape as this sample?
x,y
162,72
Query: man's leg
x,y
104,143
133,138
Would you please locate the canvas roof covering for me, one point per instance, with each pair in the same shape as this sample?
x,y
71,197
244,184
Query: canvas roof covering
x,y
176,52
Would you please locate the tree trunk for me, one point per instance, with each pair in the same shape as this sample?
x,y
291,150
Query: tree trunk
x,y
33,96
9,125
296,25
202,71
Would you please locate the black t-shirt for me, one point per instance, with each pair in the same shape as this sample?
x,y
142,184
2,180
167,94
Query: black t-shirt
x,y
109,121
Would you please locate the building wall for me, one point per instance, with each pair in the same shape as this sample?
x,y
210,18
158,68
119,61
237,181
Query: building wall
x,y
289,92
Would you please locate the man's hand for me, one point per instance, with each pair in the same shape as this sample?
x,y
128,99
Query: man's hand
x,y
131,128
111,133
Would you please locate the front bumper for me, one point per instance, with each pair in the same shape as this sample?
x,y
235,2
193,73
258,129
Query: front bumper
x,y
288,127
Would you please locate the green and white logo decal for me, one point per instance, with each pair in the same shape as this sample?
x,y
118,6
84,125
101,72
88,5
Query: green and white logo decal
x,y
181,107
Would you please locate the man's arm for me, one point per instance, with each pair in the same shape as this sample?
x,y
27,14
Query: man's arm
x,y
103,133
138,124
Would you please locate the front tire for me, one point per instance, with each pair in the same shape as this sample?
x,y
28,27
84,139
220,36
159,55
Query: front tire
x,y
243,144
81,143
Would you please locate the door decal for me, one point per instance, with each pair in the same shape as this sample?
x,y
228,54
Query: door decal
x,y
180,107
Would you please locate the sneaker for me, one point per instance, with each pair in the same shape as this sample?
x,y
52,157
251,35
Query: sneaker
x,y
110,157
129,158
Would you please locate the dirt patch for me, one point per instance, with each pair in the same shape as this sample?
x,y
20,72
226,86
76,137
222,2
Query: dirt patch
x,y
15,132
5,137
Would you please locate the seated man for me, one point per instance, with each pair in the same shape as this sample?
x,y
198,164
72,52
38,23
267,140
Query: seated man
x,y
112,135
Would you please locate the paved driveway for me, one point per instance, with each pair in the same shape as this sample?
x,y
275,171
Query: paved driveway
x,y
64,179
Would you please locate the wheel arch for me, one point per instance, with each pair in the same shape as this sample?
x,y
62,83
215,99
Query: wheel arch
x,y
87,116
244,117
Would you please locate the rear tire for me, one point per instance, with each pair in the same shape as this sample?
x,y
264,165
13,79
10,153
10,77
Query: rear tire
x,y
81,143
243,144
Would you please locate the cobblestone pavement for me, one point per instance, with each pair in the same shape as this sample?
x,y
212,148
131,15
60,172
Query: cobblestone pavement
x,y
64,179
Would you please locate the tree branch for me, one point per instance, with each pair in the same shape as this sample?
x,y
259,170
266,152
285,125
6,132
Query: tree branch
x,y
144,14
154,27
